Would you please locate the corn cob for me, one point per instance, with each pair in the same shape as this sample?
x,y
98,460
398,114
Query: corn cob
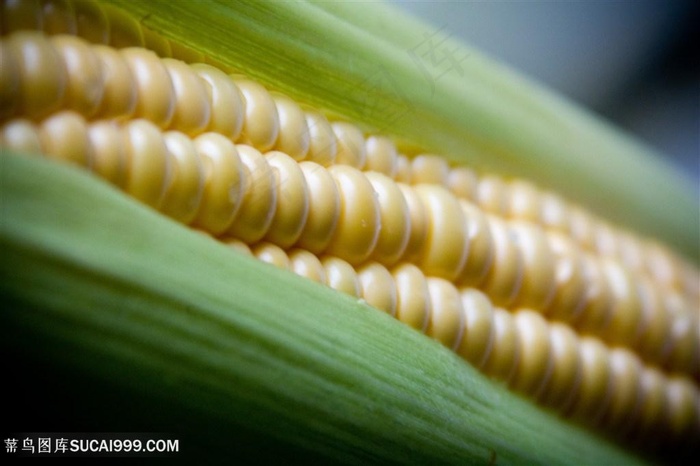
x,y
327,189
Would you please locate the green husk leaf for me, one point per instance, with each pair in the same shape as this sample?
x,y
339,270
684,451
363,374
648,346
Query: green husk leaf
x,y
375,66
116,304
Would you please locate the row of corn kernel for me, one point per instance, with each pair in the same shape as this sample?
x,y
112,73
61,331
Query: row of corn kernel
x,y
600,297
227,189
521,200
95,22
209,182
578,376
528,205
66,72
101,82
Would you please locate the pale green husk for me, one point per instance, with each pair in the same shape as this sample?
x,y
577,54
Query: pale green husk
x,y
371,64
96,287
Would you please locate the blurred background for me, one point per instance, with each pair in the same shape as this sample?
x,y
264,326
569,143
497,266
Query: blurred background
x,y
635,62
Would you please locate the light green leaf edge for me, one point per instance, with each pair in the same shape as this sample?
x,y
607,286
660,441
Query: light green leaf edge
x,y
96,276
368,62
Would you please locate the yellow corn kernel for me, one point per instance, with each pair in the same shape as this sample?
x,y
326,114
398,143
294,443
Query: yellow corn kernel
x,y
258,208
292,207
480,256
625,372
491,195
395,219
148,175
18,15
377,287
323,147
42,83
582,227
120,92
85,83
418,220
656,322
535,363
681,352
324,208
555,213
447,316
155,91
184,194
357,232
403,169
624,321
192,109
429,169
58,17
446,245
350,144
65,137
414,306
224,183
294,138
227,105
560,389
261,125
9,82
341,276
479,335
594,391
110,155
504,354
504,279
524,202
272,254
307,265
240,247
598,300
463,183
21,135
91,22
537,286
570,284
682,404
653,405
381,156
124,31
